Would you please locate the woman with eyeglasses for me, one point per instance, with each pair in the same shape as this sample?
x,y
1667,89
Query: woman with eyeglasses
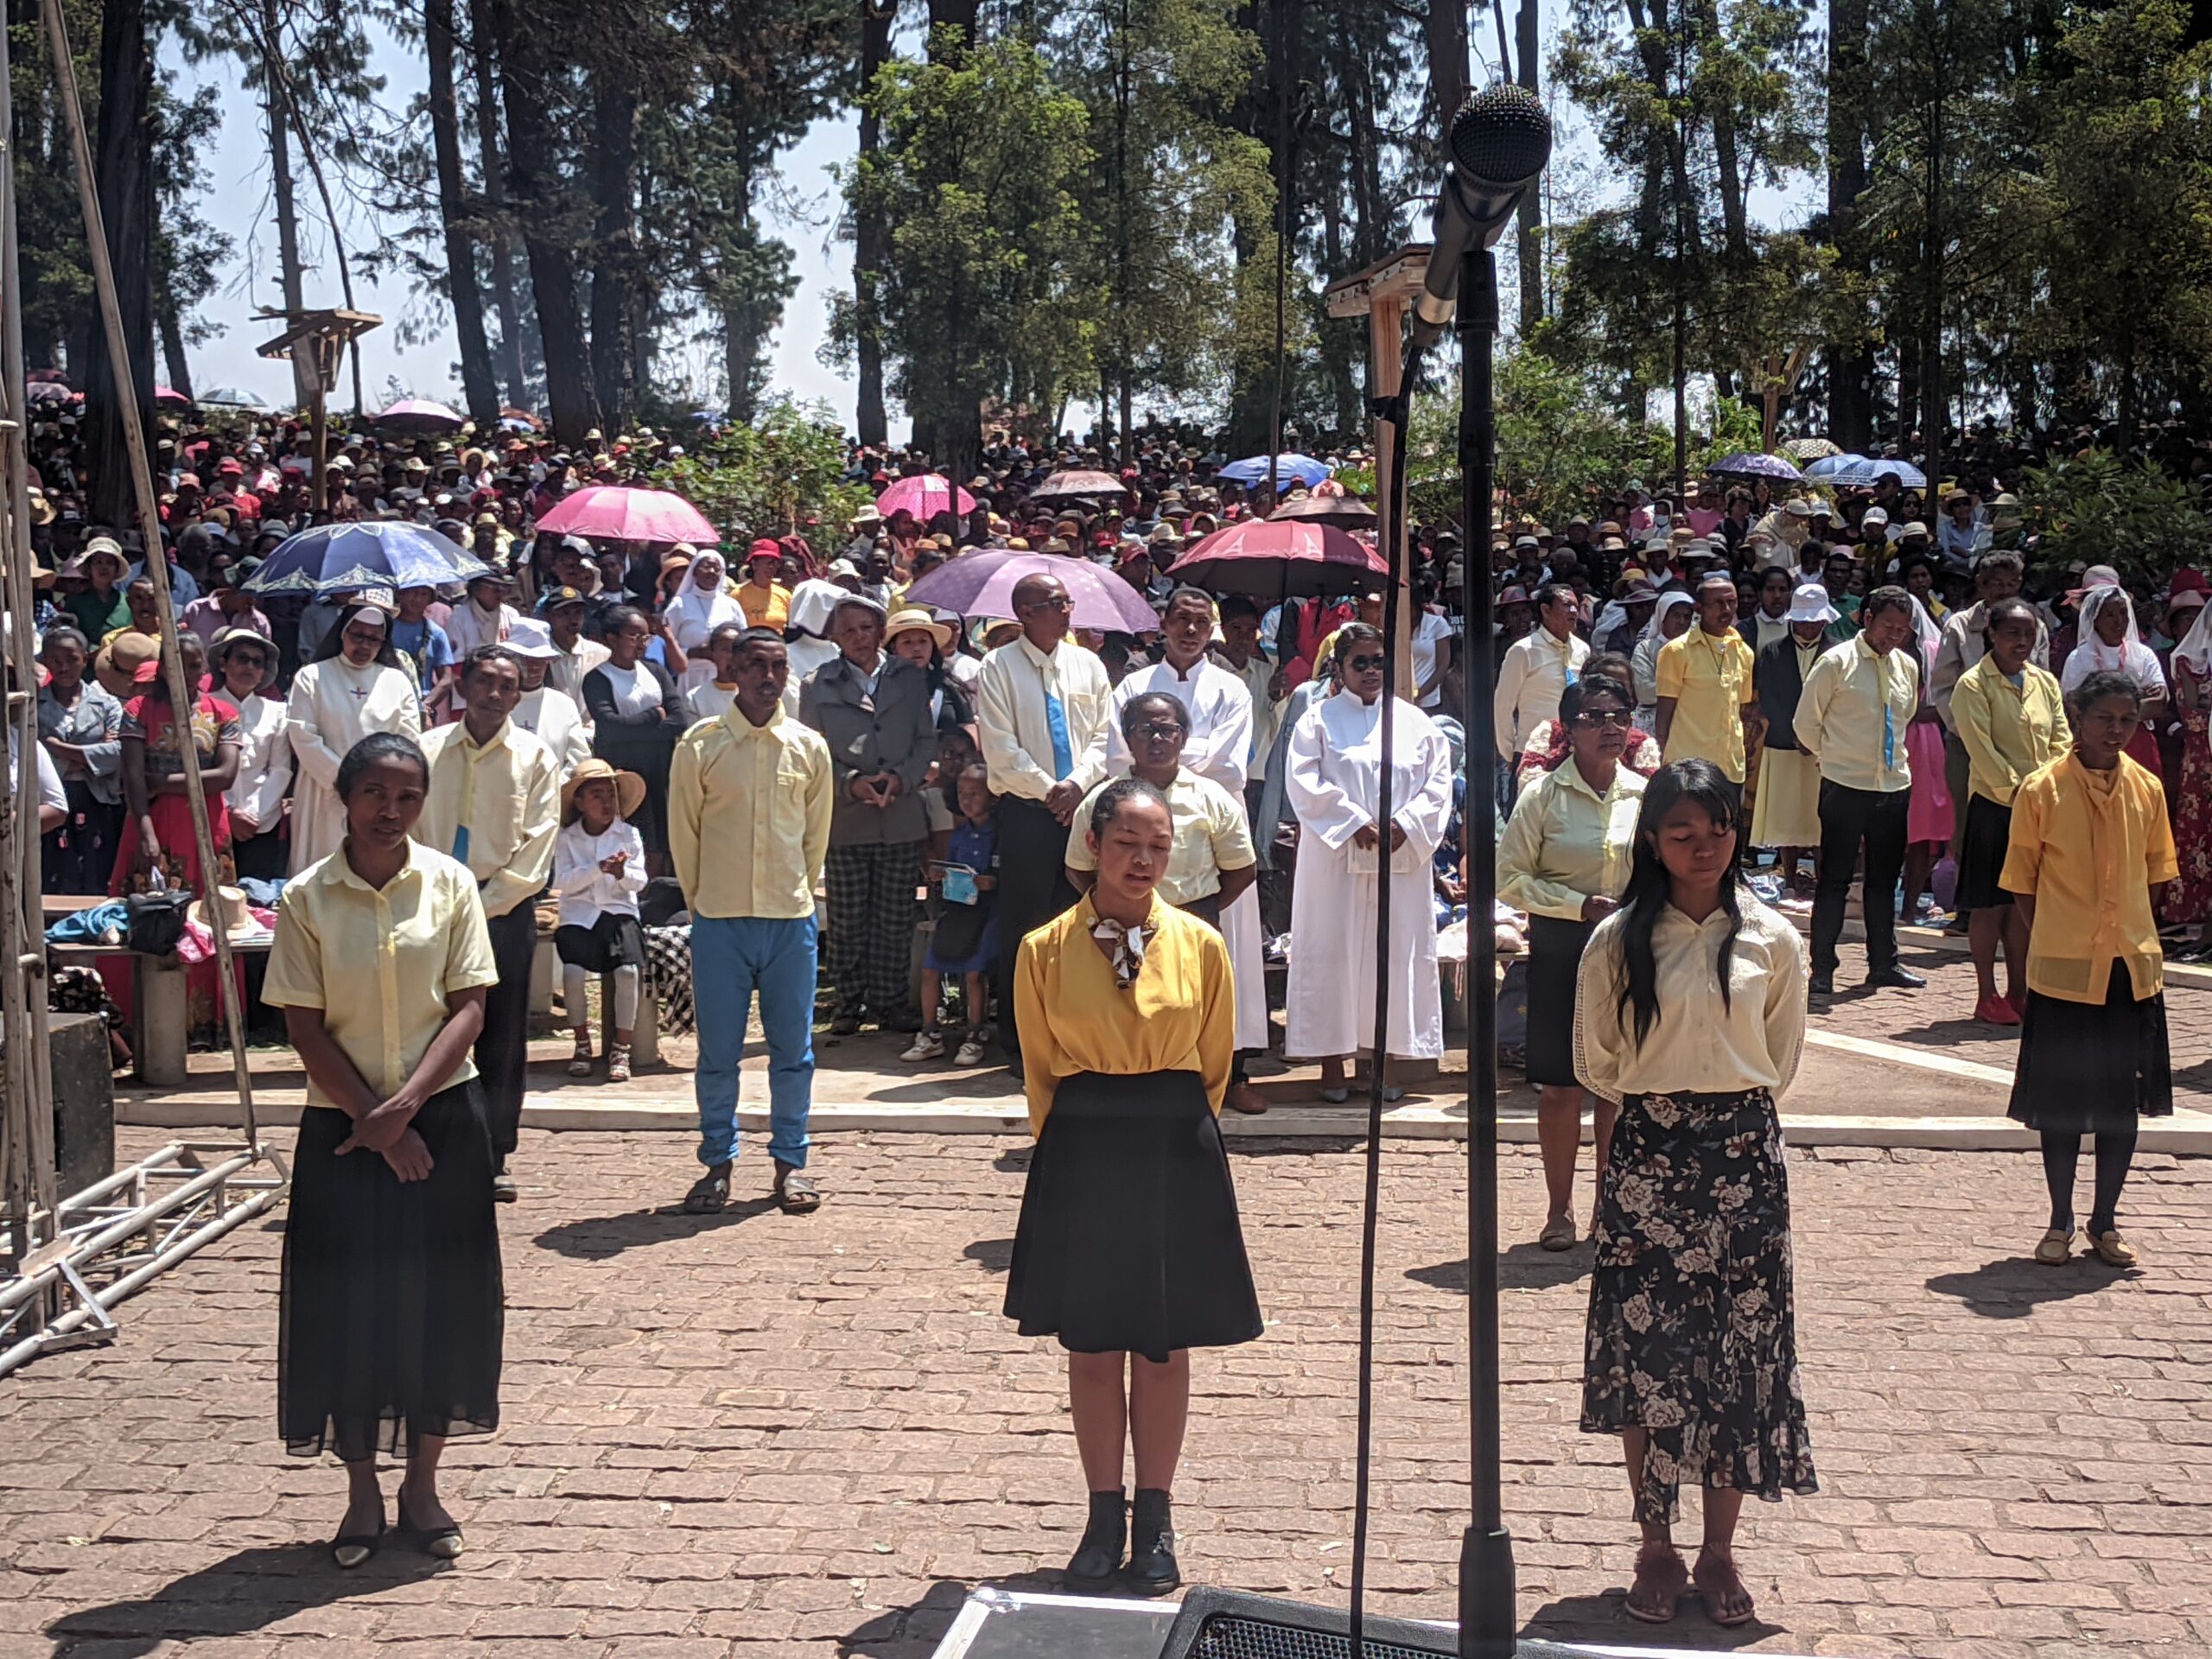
x,y
1335,761
1565,860
246,661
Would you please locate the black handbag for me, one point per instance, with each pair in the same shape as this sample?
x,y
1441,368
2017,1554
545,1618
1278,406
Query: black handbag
x,y
156,920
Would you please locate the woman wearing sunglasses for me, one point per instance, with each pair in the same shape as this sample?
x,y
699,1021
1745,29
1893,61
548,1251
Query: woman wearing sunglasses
x,y
1565,858
1335,769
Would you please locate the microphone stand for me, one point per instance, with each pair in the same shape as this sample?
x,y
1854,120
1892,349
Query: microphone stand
x,y
1488,1615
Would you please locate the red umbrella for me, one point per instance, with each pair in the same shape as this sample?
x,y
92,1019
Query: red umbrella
x,y
617,512
1272,558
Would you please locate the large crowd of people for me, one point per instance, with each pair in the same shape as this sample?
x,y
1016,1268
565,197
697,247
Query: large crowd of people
x,y
1083,850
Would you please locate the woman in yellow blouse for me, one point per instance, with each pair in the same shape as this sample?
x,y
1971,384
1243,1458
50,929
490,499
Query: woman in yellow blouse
x,y
1129,1249
1691,1016
391,1311
2091,854
1564,859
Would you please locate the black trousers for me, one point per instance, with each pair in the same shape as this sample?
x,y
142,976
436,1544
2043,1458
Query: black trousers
x,y
503,1051
1033,889
1849,817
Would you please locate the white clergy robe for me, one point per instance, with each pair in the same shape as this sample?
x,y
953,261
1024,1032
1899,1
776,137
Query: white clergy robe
x,y
333,706
1218,749
552,718
1333,767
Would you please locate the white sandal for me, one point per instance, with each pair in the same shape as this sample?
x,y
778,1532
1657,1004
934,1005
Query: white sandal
x,y
618,1063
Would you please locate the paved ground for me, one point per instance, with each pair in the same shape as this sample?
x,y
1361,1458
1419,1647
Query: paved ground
x,y
758,1434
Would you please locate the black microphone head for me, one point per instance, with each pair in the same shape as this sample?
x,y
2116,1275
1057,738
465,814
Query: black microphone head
x,y
1503,135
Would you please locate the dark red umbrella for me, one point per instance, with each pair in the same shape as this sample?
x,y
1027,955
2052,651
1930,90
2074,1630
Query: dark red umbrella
x,y
1343,511
1078,487
1273,559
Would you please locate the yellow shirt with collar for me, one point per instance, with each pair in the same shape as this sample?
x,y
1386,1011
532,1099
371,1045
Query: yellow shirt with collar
x,y
2090,846
1709,677
1566,843
1840,716
1012,727
2009,730
507,793
1212,835
748,816
380,962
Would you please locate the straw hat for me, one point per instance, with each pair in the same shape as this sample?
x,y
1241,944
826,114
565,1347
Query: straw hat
x,y
912,619
629,788
116,666
231,907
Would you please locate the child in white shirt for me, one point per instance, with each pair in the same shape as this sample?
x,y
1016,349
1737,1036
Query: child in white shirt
x,y
599,867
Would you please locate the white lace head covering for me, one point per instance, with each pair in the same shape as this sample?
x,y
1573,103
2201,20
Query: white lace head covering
x,y
2131,656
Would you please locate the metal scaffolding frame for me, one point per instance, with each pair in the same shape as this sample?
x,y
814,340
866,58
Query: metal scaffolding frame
x,y
69,1260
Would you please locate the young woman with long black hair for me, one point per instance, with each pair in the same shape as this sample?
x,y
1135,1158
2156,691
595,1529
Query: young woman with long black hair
x,y
1690,1015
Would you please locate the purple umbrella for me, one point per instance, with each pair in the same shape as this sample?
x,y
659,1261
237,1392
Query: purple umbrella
x,y
1749,466
981,583
420,414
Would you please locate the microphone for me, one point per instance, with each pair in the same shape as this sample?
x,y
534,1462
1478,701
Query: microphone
x,y
1501,140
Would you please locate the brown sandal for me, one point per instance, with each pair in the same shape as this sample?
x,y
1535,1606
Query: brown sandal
x,y
1658,1564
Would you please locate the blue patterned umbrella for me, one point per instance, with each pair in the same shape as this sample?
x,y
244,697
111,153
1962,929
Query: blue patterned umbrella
x,y
1829,465
335,558
1749,466
1863,473
1254,469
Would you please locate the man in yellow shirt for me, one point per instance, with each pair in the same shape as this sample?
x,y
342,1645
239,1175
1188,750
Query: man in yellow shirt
x,y
493,803
1704,686
1858,699
749,799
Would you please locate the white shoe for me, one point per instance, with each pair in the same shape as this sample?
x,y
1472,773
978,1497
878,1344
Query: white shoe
x,y
926,1046
971,1052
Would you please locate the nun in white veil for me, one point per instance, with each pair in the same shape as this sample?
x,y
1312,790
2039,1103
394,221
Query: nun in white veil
x,y
2107,639
807,635
700,605
1644,664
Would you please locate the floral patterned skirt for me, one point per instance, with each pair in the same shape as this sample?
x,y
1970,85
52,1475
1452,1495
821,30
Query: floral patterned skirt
x,y
1692,1327
2189,898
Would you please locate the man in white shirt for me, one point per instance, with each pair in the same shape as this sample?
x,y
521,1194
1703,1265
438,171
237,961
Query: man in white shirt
x,y
551,716
564,611
1042,702
1538,667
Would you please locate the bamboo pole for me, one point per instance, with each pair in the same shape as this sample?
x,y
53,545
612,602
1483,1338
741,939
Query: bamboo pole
x,y
28,1176
181,697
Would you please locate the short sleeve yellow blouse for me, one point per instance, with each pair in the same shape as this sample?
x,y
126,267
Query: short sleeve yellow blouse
x,y
1180,1015
380,964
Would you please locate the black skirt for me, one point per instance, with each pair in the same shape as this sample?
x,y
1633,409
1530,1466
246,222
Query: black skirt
x,y
1128,1240
1554,962
1981,855
392,1317
613,941
2090,1068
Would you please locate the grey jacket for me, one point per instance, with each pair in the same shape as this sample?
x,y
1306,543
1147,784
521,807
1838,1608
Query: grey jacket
x,y
889,731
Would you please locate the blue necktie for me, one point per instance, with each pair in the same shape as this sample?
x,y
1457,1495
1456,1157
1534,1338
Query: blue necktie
x,y
1889,729
1056,717
460,844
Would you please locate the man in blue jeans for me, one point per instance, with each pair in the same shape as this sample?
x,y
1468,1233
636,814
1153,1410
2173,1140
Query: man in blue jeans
x,y
749,795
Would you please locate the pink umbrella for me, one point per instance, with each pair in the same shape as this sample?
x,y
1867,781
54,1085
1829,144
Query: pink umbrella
x,y
171,395
1272,559
981,583
925,497
617,512
420,414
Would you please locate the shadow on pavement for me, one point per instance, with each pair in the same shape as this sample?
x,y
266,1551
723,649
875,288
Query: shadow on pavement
x,y
1605,1620
2013,1287
991,1255
1526,1265
912,1631
594,1238
247,1591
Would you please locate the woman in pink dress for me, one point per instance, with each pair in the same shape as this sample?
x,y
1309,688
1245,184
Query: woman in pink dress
x,y
1929,815
2189,898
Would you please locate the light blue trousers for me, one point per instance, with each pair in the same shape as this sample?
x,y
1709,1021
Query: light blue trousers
x,y
731,957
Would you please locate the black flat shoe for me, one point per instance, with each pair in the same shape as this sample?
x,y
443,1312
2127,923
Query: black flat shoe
x,y
442,1542
1151,1570
1896,979
1097,1559
1821,985
352,1549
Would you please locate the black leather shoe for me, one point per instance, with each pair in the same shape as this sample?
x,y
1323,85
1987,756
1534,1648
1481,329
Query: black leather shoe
x,y
1896,979
1153,1570
1821,985
1097,1559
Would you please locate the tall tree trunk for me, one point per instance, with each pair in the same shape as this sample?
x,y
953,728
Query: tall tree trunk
x,y
122,153
958,14
1850,372
1445,26
170,328
289,272
525,73
1931,320
613,257
1528,236
492,167
477,379
871,238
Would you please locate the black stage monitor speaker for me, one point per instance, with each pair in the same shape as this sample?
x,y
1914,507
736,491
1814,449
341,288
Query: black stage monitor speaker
x,y
1225,1625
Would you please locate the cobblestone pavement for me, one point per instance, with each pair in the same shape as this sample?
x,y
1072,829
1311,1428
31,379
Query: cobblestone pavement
x,y
754,1433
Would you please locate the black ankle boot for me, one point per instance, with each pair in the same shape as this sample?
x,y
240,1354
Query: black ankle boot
x,y
1151,1570
1097,1559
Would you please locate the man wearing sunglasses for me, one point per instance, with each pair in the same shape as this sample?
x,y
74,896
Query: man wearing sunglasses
x,y
1042,705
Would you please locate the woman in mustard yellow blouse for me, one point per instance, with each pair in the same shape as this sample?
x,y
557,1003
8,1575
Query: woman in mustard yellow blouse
x,y
1129,1249
2091,854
